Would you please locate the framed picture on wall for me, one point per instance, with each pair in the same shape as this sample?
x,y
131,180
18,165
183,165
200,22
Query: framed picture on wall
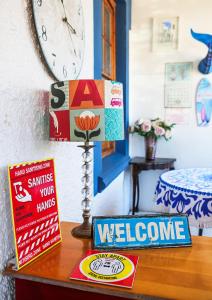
x,y
178,84
165,34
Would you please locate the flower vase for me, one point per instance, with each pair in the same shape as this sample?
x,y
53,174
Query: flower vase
x,y
150,147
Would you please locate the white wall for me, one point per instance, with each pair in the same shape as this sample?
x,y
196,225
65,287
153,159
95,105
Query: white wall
x,y
24,132
23,122
191,145
115,199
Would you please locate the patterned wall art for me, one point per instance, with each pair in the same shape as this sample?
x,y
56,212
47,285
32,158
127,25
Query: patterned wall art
x,y
178,85
165,34
204,102
86,110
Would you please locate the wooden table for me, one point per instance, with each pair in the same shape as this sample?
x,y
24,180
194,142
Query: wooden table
x,y
140,164
171,273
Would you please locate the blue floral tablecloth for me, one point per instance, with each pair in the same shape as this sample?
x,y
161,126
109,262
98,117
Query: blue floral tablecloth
x,y
187,191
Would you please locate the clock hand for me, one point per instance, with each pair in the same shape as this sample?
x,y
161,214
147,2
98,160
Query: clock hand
x,y
72,29
71,40
66,20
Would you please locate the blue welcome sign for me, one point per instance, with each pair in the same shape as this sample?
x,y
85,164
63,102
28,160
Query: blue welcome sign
x,y
133,232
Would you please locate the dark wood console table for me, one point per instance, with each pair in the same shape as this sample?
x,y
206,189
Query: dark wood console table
x,y
140,164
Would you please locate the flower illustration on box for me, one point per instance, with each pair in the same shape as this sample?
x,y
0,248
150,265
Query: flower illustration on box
x,y
87,122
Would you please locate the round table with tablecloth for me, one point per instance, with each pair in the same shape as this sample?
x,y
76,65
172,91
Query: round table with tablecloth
x,y
187,191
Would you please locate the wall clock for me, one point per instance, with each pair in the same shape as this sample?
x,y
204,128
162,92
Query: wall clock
x,y
60,36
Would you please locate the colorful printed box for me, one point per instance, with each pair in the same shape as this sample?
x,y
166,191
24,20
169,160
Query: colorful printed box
x,y
86,110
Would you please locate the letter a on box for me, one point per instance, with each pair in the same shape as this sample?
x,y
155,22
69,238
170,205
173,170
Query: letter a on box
x,y
86,94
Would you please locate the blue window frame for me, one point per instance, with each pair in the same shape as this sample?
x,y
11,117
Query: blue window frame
x,y
108,168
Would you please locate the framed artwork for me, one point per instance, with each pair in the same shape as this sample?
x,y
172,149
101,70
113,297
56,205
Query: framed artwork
x,y
165,34
178,85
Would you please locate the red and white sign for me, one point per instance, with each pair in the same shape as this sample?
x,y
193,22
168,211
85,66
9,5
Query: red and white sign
x,y
34,209
106,268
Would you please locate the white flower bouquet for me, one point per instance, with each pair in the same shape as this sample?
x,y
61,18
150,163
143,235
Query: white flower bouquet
x,y
155,128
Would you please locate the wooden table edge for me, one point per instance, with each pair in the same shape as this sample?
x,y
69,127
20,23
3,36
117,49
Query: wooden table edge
x,y
82,286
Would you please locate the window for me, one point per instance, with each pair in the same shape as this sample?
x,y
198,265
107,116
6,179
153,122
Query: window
x,y
108,168
108,39
108,54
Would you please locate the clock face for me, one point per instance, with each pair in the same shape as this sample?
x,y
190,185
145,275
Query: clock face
x,y
59,27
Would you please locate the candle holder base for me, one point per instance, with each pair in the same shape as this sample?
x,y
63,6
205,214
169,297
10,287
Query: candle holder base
x,y
82,231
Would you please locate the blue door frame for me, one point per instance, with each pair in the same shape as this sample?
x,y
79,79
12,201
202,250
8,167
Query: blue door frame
x,y
108,168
